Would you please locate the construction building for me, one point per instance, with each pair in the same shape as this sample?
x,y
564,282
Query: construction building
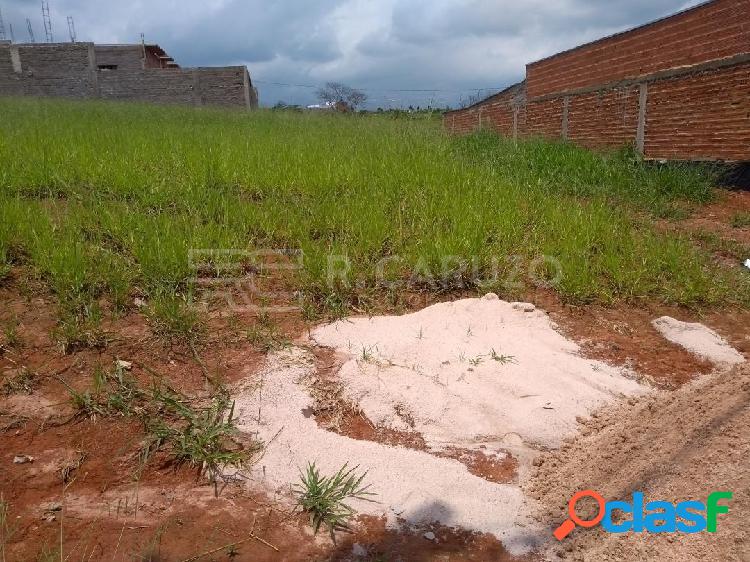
x,y
138,72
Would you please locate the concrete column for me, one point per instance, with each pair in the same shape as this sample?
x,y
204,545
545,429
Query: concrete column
x,y
197,101
93,72
15,59
640,135
246,87
566,104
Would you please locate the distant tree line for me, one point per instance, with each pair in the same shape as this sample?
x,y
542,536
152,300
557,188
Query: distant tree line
x,y
345,99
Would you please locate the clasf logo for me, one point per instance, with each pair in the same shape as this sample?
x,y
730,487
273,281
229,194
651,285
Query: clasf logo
x,y
654,516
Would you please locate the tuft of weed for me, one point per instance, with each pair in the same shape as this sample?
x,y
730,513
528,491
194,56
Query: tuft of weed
x,y
11,337
175,319
203,437
22,382
81,330
741,220
501,358
7,528
48,554
324,497
265,335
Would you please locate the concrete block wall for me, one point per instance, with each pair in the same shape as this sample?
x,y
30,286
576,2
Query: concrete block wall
x,y
223,86
10,80
125,57
189,86
71,70
35,70
150,85
677,105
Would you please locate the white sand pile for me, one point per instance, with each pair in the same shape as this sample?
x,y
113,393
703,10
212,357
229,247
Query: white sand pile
x,y
411,485
470,372
698,339
476,373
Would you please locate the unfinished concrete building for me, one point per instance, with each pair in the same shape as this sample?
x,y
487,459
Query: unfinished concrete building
x,y
123,72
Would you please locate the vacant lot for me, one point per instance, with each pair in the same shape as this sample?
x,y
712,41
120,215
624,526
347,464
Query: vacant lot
x,y
119,223
104,198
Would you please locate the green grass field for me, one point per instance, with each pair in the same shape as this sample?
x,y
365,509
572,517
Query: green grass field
x,y
104,198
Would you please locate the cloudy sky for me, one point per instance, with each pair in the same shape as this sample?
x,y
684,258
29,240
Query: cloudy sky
x,y
451,48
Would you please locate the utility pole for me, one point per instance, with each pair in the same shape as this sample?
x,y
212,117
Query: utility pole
x,y
31,31
12,36
72,29
47,22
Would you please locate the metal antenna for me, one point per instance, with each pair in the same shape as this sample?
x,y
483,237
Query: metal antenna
x,y
2,27
72,29
47,22
31,31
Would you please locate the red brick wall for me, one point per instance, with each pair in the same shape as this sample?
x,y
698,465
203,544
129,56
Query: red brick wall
x,y
700,117
544,118
712,31
696,109
604,119
495,113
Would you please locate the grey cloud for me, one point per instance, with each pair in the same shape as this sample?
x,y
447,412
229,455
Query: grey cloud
x,y
382,45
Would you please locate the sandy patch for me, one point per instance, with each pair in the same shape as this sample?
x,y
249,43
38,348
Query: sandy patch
x,y
475,373
411,485
472,372
672,445
698,339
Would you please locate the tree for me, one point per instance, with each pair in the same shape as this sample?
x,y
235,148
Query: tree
x,y
338,94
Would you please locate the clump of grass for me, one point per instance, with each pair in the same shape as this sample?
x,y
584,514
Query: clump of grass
x,y
501,358
324,497
265,334
11,337
7,529
367,355
48,554
724,246
204,437
741,220
175,319
5,269
81,330
22,382
112,393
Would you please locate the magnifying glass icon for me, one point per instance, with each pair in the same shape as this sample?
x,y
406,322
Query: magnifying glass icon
x,y
569,524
